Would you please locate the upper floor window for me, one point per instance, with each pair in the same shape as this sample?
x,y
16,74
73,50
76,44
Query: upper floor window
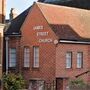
x,y
36,57
69,60
79,59
12,57
26,57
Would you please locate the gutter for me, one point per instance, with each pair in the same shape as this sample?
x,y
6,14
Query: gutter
x,y
13,35
74,42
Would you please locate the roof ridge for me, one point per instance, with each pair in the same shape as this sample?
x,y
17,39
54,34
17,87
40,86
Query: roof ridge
x,y
41,11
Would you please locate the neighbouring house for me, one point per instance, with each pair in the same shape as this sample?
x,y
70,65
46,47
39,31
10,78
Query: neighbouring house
x,y
2,25
1,49
49,49
2,10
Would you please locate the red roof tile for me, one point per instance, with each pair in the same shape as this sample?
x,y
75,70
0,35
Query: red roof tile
x,y
76,22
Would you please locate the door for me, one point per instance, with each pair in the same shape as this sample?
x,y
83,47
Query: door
x,y
59,84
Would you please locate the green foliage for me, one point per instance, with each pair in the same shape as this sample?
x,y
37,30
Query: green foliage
x,y
78,83
13,81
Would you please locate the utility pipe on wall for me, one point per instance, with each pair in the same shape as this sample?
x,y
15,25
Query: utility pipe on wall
x,y
7,39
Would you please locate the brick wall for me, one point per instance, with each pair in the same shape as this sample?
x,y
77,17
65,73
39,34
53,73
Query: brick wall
x,y
29,38
62,71
46,71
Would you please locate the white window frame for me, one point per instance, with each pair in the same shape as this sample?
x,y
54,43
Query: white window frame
x,y
69,60
36,57
12,57
79,59
26,57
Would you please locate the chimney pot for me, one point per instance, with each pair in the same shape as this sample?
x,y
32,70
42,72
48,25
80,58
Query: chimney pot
x,y
13,13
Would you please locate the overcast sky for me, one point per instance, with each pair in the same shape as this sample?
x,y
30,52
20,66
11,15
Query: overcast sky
x,y
20,5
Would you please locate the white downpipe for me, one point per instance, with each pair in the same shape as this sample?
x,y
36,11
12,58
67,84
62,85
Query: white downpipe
x,y
7,39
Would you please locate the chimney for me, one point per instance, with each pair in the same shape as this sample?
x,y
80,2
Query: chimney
x,y
13,13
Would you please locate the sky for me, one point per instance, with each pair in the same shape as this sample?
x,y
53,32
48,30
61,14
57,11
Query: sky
x,y
19,5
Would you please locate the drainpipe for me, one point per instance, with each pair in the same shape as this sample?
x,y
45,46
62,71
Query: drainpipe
x,y
7,39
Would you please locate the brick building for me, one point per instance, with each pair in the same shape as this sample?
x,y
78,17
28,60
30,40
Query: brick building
x,y
2,10
2,19
1,50
48,48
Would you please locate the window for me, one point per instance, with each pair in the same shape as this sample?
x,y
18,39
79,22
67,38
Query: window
x,y
12,57
36,57
79,60
26,57
37,85
68,59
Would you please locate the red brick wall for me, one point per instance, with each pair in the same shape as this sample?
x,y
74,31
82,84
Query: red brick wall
x,y
61,50
52,57
46,71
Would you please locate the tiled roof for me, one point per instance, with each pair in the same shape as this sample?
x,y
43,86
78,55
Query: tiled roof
x,y
68,23
16,23
65,32
72,21
85,4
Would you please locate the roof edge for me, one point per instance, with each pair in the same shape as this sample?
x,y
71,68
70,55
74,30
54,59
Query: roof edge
x,y
61,6
74,42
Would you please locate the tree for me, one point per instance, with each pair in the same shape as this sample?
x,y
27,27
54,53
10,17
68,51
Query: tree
x,y
13,81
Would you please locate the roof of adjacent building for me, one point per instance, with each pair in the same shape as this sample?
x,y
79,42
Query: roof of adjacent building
x,y
68,23
16,23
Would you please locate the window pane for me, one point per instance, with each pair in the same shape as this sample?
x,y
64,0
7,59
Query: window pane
x,y
68,59
36,57
26,57
36,85
79,60
12,57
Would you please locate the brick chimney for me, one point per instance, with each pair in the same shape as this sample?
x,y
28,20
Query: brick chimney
x,y
2,10
13,13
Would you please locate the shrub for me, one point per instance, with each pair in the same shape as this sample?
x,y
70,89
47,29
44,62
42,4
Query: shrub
x,y
78,83
13,81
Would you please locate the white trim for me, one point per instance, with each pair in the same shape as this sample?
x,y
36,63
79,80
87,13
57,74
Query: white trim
x,y
77,42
